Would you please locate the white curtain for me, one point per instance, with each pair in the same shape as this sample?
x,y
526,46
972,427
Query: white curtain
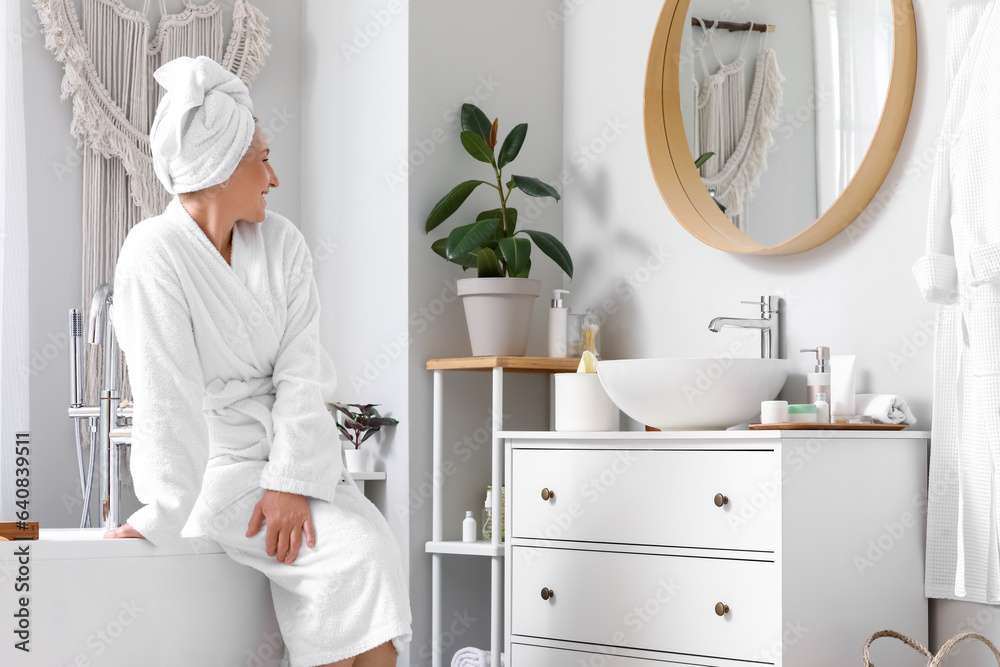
x,y
853,47
13,258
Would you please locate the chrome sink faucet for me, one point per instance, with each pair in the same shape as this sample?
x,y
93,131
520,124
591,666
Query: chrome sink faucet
x,y
768,325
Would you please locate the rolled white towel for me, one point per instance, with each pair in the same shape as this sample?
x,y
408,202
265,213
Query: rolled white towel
x,y
474,657
884,408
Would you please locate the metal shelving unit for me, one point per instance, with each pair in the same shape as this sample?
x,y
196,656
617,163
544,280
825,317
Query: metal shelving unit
x,y
493,550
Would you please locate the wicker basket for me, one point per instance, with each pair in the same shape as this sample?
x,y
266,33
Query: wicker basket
x,y
934,660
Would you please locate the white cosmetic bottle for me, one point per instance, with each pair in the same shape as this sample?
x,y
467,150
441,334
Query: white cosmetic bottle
x,y
842,400
469,527
822,408
557,324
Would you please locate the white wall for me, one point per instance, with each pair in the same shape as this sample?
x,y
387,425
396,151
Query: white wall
x,y
55,185
855,293
354,97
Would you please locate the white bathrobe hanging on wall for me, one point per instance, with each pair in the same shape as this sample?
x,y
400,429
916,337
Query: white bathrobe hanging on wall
x,y
961,271
230,383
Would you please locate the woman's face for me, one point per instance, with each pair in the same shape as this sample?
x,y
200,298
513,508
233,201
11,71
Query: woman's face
x,y
250,182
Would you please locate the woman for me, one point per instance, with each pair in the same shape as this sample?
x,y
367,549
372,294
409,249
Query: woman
x,y
217,311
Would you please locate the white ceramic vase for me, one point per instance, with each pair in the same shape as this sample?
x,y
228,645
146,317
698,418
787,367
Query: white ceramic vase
x,y
498,313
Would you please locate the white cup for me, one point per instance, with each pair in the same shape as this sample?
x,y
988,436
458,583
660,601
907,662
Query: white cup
x,y
582,404
773,412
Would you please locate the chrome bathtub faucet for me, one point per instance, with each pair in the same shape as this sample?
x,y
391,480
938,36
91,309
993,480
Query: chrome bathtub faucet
x,y
768,325
111,433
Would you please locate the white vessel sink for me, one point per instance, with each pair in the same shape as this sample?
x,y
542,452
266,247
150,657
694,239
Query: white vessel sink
x,y
695,394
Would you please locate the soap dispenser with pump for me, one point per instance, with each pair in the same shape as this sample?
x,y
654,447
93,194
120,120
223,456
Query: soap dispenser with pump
x,y
557,324
819,381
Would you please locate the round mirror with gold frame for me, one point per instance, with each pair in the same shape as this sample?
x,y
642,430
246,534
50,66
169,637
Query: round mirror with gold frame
x,y
668,123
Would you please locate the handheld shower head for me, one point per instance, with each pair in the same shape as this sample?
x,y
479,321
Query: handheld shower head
x,y
76,357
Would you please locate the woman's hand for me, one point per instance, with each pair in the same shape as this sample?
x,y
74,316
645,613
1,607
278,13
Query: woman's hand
x,y
287,515
125,530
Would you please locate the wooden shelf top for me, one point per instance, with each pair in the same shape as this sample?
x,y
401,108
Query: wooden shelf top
x,y
517,364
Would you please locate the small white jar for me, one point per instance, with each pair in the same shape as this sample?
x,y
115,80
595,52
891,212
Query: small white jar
x,y
773,412
582,404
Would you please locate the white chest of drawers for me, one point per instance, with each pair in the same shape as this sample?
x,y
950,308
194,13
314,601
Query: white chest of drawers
x,y
724,548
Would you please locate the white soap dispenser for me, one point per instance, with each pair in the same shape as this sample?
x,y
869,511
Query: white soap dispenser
x,y
557,324
818,381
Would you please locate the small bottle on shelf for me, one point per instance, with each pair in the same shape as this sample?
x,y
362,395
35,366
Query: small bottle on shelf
x,y
469,527
488,516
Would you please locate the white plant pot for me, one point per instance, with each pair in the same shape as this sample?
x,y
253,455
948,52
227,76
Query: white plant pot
x,y
498,313
356,460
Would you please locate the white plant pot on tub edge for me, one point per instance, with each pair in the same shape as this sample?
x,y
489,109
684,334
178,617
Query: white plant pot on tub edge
x,y
498,313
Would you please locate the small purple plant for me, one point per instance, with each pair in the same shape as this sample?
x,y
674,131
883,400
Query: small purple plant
x,y
359,425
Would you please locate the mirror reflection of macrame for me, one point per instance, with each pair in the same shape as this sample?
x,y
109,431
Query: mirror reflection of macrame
x,y
737,131
109,60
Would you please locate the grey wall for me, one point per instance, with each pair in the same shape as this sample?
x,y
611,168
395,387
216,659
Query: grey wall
x,y
509,62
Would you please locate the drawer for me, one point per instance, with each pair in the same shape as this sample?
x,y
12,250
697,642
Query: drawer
x,y
666,498
526,655
642,601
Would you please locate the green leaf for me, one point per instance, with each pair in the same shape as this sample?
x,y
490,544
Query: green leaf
x,y
488,264
703,158
534,187
527,270
477,147
450,203
466,261
497,213
474,120
469,238
516,253
553,248
512,145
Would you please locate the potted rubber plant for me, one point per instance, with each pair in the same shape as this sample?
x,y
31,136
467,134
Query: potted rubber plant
x,y
357,423
499,300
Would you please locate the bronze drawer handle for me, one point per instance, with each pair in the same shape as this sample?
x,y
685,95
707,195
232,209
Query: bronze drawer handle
x,y
546,494
549,593
721,500
721,609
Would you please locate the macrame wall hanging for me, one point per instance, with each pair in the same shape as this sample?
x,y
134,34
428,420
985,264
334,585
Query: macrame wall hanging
x,y
736,130
109,59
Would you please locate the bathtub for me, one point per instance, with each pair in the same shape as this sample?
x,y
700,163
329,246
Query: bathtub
x,y
126,603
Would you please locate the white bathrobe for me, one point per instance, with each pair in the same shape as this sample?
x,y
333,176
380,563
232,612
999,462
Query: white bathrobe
x,y
961,271
229,381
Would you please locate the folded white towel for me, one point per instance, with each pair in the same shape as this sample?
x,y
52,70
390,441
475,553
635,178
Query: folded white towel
x,y
203,125
474,657
884,408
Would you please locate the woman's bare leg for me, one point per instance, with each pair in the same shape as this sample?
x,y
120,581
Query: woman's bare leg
x,y
380,656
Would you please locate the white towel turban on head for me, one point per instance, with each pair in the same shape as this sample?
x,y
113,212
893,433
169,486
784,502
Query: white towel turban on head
x,y
203,125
